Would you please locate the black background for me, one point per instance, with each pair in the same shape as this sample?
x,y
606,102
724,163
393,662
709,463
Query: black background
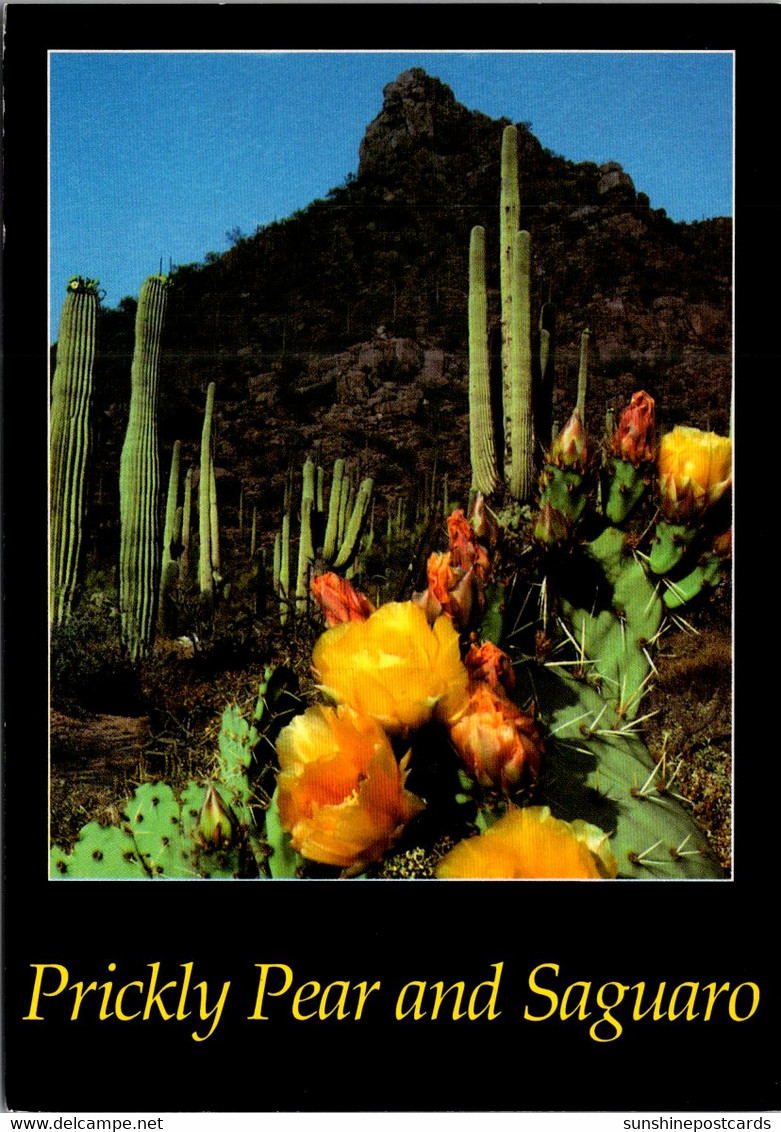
x,y
393,932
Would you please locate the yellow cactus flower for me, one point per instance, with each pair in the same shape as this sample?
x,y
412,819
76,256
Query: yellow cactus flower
x,y
341,793
530,843
394,667
695,470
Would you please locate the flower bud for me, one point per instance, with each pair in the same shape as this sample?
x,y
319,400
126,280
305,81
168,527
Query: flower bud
x,y
214,827
570,448
497,742
482,521
550,526
487,662
634,437
465,550
339,600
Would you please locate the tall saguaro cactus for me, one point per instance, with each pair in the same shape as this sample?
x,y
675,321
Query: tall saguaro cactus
x,y
515,449
481,438
169,569
509,218
139,477
305,549
522,481
205,571
70,440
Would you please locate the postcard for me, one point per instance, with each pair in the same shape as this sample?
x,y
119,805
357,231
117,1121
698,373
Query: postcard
x,y
380,540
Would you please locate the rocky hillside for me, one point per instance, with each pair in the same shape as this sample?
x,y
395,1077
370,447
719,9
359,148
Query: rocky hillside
x,y
342,331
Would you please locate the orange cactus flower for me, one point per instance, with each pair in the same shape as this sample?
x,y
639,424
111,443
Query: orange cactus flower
x,y
695,470
530,843
441,579
394,667
487,662
452,592
339,600
570,448
497,742
634,437
465,550
341,793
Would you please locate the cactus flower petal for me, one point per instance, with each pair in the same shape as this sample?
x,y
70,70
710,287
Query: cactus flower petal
x,y
341,793
695,470
530,843
394,667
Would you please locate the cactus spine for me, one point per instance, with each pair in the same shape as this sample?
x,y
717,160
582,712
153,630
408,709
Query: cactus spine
x,y
485,476
139,482
70,439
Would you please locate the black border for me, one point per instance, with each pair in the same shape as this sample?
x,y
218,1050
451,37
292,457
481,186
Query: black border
x,y
395,933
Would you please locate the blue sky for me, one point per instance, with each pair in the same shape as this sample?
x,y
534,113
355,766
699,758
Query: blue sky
x,y
159,155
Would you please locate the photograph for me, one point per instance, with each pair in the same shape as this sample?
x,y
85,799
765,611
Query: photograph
x,y
392,540
382,529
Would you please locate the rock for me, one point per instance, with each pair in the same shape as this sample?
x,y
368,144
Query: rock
x,y
615,186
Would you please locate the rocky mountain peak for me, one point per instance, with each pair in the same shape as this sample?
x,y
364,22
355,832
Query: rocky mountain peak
x,y
418,111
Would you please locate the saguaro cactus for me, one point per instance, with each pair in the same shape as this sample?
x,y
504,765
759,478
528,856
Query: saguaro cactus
x,y
305,550
169,569
205,571
184,560
70,439
509,216
521,418
583,374
139,477
517,445
485,476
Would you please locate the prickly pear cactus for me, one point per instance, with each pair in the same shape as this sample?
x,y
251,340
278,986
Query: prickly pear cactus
x,y
212,828
598,769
